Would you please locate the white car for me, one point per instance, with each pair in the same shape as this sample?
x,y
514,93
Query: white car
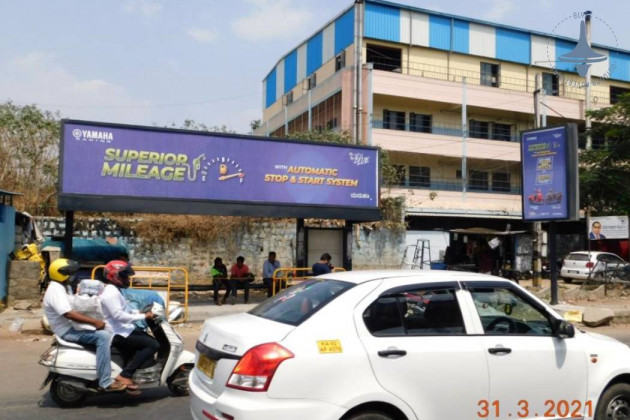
x,y
578,265
393,345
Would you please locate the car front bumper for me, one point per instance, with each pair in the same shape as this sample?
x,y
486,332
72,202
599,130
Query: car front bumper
x,y
244,405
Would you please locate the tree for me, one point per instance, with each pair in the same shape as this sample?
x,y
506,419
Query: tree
x,y
255,125
29,152
605,170
195,126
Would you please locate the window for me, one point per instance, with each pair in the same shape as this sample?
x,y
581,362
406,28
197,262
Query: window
x,y
479,129
311,82
415,312
616,92
478,180
501,181
294,305
501,132
340,60
384,58
331,124
503,311
401,176
394,120
288,98
419,123
419,176
490,74
551,84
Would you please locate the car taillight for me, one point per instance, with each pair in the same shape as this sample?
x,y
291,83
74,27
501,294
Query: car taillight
x,y
257,366
589,264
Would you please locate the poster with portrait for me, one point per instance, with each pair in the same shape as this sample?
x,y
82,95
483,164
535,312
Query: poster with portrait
x,y
607,227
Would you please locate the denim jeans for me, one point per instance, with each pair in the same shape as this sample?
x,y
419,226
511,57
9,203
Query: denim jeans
x,y
102,340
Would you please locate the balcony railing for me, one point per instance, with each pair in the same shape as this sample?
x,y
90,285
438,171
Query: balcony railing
x,y
444,130
415,68
456,184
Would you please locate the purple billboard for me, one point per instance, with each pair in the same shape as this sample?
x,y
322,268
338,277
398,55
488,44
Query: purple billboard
x,y
196,172
549,173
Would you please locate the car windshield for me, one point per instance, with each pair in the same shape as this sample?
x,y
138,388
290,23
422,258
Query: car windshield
x,y
297,303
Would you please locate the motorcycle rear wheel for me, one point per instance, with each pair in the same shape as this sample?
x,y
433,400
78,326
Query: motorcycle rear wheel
x,y
65,395
178,381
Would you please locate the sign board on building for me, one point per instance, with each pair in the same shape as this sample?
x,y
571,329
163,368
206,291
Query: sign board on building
x,y
549,173
120,168
607,227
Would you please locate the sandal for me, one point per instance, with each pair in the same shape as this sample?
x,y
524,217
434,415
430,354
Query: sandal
x,y
115,386
127,382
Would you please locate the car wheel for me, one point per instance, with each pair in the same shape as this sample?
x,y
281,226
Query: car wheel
x,y
371,415
65,395
614,403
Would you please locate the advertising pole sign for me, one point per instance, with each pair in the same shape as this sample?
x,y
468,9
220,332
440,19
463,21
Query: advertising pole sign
x,y
607,227
108,167
549,174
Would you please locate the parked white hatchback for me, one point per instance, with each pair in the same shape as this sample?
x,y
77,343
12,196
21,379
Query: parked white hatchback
x,y
390,345
580,264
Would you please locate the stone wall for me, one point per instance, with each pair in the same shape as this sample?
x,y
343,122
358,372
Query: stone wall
x,y
23,282
371,248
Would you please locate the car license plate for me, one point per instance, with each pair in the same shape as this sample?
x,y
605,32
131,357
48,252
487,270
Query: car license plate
x,y
206,365
574,271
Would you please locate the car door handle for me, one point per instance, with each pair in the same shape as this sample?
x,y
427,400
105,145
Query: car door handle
x,y
388,353
500,350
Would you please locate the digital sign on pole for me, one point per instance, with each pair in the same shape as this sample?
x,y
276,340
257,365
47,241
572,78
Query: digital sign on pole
x,y
107,167
549,173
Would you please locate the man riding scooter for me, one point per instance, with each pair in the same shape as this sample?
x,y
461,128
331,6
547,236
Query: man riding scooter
x,y
59,312
117,314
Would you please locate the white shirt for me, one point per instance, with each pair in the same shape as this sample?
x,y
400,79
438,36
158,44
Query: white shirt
x,y
56,305
116,312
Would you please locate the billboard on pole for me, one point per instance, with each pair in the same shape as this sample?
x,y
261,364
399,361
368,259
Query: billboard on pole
x,y
549,173
107,167
607,227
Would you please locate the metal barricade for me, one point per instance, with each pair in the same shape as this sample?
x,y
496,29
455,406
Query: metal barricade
x,y
285,277
167,279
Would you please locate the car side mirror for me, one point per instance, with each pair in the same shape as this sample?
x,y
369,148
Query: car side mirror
x,y
563,329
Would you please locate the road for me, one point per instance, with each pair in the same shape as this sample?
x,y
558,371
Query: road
x,y
20,397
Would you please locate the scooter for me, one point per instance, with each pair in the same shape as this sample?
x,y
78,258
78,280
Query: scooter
x,y
72,367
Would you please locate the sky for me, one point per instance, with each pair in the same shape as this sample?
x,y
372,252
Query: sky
x,y
160,62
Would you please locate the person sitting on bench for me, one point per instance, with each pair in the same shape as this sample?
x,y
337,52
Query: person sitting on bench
x,y
219,278
239,275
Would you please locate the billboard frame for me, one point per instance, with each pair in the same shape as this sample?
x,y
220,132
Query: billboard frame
x,y
571,187
126,204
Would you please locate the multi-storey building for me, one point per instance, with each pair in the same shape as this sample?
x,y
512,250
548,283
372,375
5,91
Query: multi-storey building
x,y
418,69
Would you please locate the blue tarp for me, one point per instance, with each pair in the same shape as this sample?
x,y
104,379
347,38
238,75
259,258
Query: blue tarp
x,y
90,249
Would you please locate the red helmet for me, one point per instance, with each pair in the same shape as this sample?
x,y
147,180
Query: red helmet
x,y
117,273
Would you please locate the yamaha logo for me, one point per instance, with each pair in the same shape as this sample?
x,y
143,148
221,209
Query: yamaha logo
x,y
93,135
